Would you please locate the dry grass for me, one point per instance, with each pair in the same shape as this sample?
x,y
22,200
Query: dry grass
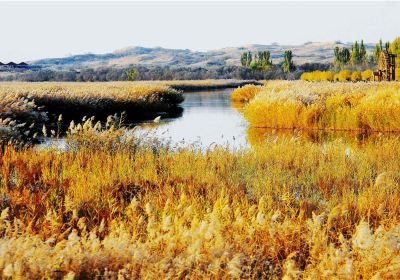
x,y
245,93
29,106
324,105
97,96
116,207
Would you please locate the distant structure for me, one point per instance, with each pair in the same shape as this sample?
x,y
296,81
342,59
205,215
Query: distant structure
x,y
14,65
386,67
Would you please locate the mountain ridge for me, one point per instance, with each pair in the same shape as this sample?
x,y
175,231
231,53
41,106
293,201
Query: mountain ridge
x,y
309,52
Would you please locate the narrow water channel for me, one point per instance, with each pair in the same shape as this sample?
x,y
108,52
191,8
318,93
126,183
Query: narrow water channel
x,y
208,118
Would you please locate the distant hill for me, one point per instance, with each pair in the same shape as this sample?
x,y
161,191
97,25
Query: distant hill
x,y
311,52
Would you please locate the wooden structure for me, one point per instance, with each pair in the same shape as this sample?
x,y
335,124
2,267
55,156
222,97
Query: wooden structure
x,y
386,67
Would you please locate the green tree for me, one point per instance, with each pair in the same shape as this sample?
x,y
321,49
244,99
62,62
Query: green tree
x,y
394,48
363,53
264,59
287,64
131,74
358,54
377,50
387,46
261,60
355,53
243,59
342,57
249,58
246,59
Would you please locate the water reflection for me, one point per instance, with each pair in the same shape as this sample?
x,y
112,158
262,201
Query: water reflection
x,y
258,136
208,118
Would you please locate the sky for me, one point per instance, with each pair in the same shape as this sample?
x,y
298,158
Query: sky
x,y
33,30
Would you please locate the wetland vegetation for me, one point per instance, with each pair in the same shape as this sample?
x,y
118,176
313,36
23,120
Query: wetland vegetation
x,y
112,204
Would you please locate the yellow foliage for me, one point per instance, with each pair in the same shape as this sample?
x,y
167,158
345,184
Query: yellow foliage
x,y
344,75
318,76
323,105
356,76
245,93
367,75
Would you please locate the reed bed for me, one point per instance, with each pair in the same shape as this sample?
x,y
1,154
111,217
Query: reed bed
x,y
245,93
323,105
27,107
113,206
95,96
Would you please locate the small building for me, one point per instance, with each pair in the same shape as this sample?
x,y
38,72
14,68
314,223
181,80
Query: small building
x,y
386,67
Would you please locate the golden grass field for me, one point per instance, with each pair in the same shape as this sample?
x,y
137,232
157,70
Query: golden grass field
x,y
117,207
323,105
113,206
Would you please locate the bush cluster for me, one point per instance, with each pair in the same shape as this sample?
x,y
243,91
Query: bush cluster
x,y
342,76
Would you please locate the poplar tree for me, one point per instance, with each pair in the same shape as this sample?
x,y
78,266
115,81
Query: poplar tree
x,y
287,64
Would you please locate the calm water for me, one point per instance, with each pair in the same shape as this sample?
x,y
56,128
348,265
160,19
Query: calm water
x,y
208,118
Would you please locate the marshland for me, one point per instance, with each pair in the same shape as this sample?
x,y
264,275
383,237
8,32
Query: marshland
x,y
287,203
200,140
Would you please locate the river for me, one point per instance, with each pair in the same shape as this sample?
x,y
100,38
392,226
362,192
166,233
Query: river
x,y
208,118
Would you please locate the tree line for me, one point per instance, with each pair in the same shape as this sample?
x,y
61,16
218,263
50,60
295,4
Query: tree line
x,y
262,61
357,55
142,73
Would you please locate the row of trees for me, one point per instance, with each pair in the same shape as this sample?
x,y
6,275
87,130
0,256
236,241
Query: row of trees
x,y
357,56
142,73
262,61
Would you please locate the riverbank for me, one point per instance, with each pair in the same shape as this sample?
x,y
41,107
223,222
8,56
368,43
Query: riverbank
x,y
196,85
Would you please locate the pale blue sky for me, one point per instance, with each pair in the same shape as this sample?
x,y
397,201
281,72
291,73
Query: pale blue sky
x,y
36,30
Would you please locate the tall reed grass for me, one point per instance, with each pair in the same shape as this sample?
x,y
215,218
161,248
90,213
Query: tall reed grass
x,y
324,105
113,206
98,96
26,107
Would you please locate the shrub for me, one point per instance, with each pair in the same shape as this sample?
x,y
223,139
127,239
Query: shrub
x,y
367,75
356,76
336,77
306,76
344,76
327,76
245,93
